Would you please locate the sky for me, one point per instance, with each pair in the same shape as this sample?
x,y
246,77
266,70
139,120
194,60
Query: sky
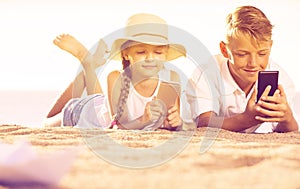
x,y
30,61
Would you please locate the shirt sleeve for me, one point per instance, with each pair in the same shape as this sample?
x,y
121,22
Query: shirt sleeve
x,y
201,94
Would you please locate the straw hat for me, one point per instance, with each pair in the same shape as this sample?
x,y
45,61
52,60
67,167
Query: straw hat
x,y
149,29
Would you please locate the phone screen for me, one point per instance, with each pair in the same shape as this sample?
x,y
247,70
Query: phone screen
x,y
266,78
168,93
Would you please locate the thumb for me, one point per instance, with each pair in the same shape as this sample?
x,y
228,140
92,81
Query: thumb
x,y
253,95
281,90
154,101
147,107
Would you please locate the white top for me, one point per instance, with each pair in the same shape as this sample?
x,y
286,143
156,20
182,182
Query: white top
x,y
136,103
212,88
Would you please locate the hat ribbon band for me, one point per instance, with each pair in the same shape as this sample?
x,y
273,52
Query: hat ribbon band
x,y
151,35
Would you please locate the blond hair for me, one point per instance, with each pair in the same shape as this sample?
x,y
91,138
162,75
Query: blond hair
x,y
248,20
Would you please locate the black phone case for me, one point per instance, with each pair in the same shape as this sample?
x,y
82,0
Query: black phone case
x,y
266,78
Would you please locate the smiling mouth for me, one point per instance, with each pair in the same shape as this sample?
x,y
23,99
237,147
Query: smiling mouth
x,y
150,66
251,71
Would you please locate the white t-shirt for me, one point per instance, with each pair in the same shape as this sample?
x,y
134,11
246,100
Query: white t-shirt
x,y
212,88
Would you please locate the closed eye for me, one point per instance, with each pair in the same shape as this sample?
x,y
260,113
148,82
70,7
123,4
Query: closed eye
x,y
240,54
262,54
140,52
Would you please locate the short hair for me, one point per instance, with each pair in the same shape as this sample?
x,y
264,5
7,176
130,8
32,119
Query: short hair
x,y
248,20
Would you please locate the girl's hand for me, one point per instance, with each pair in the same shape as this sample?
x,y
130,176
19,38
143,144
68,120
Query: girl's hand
x,y
153,111
173,118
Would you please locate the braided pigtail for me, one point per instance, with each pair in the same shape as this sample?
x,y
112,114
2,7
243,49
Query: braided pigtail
x,y
125,79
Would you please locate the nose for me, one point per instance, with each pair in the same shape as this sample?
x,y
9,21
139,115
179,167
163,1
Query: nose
x,y
149,57
252,61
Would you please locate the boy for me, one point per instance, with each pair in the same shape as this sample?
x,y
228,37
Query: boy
x,y
226,96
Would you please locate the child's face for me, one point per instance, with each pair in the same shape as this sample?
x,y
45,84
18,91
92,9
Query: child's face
x,y
246,57
146,59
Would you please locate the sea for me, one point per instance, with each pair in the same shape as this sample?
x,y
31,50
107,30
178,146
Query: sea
x,y
29,108
26,108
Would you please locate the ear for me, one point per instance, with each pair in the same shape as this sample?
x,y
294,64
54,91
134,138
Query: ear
x,y
223,49
271,43
125,55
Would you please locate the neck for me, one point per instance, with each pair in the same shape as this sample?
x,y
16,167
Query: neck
x,y
138,80
145,87
245,86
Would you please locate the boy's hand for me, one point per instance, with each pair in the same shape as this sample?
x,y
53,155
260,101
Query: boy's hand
x,y
274,108
250,114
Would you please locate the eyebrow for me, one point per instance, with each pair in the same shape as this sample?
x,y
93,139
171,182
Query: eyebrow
x,y
245,51
264,50
239,51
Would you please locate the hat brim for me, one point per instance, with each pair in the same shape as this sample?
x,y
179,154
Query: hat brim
x,y
174,51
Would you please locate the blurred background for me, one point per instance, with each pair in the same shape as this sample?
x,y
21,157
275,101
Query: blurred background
x,y
34,71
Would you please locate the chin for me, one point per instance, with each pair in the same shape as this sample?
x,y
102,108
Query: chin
x,y
150,74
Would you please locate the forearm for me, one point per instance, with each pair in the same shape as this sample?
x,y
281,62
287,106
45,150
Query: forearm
x,y
292,125
235,123
136,124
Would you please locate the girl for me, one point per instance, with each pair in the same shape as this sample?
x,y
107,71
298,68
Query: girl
x,y
132,92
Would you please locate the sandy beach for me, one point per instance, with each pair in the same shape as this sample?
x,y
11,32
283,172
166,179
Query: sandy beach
x,y
234,160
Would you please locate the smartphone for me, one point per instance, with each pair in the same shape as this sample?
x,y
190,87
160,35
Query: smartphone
x,y
266,78
169,92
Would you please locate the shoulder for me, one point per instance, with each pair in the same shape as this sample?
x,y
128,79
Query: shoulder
x,y
114,74
283,75
114,79
174,76
212,69
284,78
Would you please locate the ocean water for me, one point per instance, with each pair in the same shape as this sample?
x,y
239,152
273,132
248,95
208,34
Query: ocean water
x,y
27,108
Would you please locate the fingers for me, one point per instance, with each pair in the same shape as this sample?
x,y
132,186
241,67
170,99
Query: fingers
x,y
268,119
172,109
274,108
281,90
173,118
156,110
266,92
279,97
177,121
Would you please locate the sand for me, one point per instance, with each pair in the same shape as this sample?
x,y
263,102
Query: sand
x,y
234,160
